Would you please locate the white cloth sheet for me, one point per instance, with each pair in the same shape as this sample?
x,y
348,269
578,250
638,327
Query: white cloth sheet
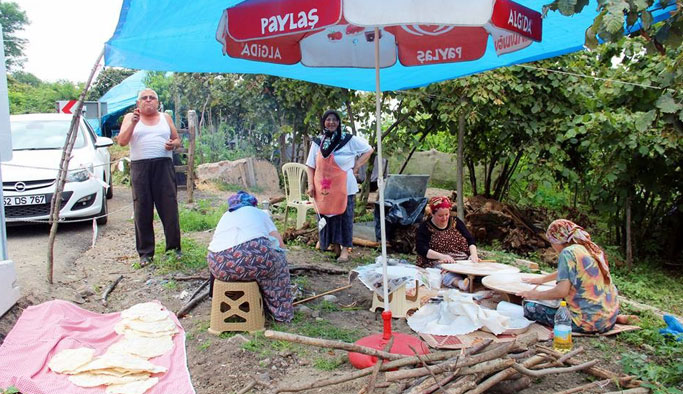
x,y
458,314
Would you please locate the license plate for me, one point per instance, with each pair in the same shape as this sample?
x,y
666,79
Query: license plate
x,y
35,199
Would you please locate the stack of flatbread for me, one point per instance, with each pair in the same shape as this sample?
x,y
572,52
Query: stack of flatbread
x,y
147,331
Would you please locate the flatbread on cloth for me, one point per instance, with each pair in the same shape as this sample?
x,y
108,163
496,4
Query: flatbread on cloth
x,y
70,359
46,329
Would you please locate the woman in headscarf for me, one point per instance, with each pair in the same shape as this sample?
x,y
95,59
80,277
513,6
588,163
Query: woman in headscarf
x,y
583,281
245,247
443,238
332,165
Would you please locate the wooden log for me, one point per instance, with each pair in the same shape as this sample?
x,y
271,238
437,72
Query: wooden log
x,y
623,380
110,289
560,361
441,383
190,305
583,388
322,294
192,142
370,388
365,242
462,385
487,367
248,387
385,367
502,375
324,270
542,372
450,365
637,390
202,286
326,343
275,200
193,277
424,364
511,387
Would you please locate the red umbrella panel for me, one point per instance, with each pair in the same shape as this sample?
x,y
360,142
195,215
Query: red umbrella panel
x,y
306,32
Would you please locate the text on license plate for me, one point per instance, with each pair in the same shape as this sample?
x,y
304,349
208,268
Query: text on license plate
x,y
24,200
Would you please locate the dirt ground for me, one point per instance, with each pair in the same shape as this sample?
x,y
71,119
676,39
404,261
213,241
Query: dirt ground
x,y
217,365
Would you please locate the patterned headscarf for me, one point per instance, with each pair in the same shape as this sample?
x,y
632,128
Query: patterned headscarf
x,y
241,199
563,231
436,203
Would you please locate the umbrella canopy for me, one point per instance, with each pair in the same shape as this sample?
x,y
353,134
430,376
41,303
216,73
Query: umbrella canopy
x,y
168,35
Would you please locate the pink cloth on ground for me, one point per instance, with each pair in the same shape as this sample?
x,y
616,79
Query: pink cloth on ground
x,y
44,330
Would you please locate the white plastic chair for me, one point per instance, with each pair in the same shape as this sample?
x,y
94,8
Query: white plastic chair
x,y
293,174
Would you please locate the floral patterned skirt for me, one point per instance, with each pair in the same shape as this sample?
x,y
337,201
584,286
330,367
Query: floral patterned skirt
x,y
256,260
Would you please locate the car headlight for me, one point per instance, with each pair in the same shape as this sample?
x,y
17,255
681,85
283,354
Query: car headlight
x,y
79,175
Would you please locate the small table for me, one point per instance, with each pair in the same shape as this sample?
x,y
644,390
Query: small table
x,y
472,270
511,284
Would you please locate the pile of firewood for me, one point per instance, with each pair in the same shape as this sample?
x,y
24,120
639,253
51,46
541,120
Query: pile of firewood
x,y
308,234
488,367
519,232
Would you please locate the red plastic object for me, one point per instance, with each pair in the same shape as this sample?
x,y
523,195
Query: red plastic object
x,y
379,341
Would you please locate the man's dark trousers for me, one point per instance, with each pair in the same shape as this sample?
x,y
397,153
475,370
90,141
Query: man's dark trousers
x,y
154,185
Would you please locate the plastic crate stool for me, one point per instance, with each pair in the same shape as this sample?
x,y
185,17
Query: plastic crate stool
x,y
399,302
236,306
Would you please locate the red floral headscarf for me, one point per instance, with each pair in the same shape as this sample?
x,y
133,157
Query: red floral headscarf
x,y
563,231
436,203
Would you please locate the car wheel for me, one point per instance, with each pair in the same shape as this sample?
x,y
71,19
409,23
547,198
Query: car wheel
x,y
102,216
110,189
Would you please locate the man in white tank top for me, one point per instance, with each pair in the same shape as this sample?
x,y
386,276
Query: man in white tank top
x,y
152,137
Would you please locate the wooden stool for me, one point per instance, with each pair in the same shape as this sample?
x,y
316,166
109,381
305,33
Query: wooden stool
x,y
236,306
399,302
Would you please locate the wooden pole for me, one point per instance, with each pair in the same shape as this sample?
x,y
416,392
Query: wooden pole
x,y
461,172
327,343
192,130
55,204
629,245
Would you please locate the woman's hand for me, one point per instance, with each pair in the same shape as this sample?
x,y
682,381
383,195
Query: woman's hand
x,y
311,191
446,258
535,281
474,257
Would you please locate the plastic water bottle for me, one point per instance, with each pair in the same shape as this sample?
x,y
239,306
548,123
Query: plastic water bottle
x,y
562,340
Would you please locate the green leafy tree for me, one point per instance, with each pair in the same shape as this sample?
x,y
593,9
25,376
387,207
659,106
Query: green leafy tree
x,y
107,79
13,19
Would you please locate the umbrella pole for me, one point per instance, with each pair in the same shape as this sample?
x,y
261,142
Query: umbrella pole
x,y
386,315
401,343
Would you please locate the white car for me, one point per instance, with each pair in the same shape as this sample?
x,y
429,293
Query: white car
x,y
29,179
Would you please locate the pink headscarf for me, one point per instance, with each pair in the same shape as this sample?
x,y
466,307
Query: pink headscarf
x,y
563,231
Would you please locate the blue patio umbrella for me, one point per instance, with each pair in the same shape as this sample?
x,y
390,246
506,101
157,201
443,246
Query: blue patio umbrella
x,y
233,36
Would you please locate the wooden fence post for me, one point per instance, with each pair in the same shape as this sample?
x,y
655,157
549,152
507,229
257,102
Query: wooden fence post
x,y
192,130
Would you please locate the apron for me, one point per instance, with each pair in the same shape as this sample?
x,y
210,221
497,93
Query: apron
x,y
330,186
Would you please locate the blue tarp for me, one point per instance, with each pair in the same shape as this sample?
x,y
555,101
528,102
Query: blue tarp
x,y
169,35
120,98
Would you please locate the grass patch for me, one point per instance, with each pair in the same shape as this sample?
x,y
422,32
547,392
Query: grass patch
x,y
231,187
327,306
301,325
328,363
193,257
204,345
263,346
648,283
202,216
170,285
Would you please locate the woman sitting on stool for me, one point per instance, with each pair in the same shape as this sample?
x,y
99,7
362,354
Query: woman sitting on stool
x,y
583,281
245,247
443,239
